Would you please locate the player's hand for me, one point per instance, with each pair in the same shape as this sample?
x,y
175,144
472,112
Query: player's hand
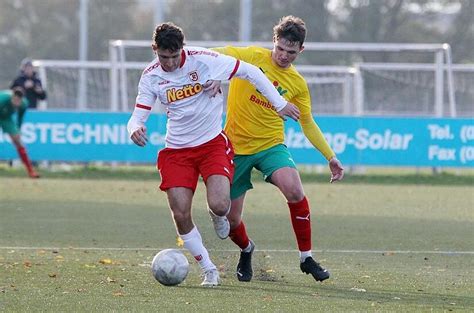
x,y
212,87
139,136
291,111
337,171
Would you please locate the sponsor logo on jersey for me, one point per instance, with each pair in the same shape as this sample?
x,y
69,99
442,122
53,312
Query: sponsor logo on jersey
x,y
187,91
210,53
163,82
280,90
151,68
198,257
193,76
262,103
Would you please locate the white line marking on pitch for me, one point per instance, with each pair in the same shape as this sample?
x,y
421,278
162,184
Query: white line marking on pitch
x,y
262,250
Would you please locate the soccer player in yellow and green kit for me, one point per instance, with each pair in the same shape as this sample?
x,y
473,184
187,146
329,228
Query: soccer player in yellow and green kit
x,y
257,134
11,102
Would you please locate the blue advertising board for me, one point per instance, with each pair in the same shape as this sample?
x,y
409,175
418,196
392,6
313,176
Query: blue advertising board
x,y
384,141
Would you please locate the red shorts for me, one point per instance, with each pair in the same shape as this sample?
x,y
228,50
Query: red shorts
x,y
182,167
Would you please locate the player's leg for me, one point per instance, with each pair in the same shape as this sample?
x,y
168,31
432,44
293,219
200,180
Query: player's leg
x,y
16,140
215,163
179,180
218,201
281,171
238,233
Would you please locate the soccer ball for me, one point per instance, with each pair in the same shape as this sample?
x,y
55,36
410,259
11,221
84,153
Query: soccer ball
x,y
170,267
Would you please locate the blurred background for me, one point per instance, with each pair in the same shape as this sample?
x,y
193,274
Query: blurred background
x,y
83,30
363,59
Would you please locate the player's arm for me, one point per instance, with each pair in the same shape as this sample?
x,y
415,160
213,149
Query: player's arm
x,y
314,134
224,67
260,81
144,104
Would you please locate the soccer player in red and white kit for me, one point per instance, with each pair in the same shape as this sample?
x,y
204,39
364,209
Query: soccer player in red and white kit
x,y
182,79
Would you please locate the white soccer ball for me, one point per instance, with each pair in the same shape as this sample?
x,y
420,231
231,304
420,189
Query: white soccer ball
x,y
170,267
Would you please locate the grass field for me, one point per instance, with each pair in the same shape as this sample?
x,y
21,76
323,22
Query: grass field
x,y
84,242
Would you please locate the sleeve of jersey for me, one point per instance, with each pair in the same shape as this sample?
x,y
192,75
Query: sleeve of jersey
x,y
145,100
312,131
260,81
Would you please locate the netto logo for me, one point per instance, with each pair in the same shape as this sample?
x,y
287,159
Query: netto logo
x,y
187,91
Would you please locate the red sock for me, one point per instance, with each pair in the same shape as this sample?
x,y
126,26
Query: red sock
x,y
24,158
300,219
239,236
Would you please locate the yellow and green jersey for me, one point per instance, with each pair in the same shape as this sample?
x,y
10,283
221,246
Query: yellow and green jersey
x,y
252,124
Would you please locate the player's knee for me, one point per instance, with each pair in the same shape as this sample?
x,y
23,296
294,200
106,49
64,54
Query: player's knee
x,y
182,217
294,195
220,207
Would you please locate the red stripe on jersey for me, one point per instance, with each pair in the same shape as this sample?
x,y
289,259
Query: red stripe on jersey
x,y
183,58
141,106
236,67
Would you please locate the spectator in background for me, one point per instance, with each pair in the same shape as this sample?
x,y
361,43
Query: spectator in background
x,y
31,84
11,102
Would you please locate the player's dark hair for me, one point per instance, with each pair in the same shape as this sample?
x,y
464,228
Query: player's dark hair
x,y
18,92
290,28
168,36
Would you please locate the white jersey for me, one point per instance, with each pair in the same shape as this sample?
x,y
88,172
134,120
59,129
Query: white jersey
x,y
194,117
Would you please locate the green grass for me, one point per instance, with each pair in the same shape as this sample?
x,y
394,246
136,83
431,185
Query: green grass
x,y
56,230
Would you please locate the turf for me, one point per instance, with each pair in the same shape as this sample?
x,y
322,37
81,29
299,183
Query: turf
x,y
71,244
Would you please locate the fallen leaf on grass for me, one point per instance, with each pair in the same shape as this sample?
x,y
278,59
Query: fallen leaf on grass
x,y
27,264
268,298
59,258
111,280
358,289
388,253
105,261
89,266
118,294
52,275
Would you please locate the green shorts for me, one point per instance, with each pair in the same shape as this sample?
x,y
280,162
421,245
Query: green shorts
x,y
266,161
8,126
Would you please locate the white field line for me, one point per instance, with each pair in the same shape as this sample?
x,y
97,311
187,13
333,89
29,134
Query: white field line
x,y
346,251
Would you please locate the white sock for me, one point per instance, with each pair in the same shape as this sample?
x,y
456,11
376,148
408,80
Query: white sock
x,y
304,255
193,243
249,247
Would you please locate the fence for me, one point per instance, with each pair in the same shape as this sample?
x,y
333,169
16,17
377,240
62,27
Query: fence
x,y
436,89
